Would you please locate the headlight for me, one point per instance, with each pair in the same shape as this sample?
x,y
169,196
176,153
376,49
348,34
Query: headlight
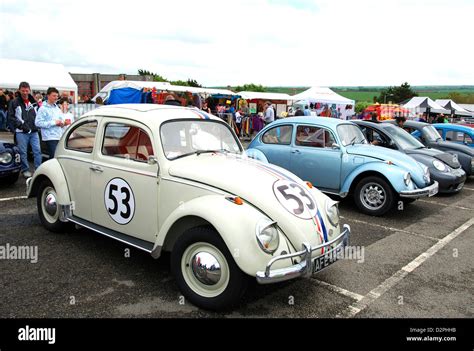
x,y
267,236
440,166
332,211
6,157
407,179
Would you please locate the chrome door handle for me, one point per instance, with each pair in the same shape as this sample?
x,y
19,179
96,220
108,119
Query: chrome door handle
x,y
295,152
96,169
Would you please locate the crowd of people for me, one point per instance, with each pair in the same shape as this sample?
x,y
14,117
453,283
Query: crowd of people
x,y
26,116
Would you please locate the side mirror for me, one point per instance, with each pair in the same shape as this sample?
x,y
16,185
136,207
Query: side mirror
x,y
336,146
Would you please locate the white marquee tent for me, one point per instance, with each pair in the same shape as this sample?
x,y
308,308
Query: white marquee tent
x,y
252,95
324,99
423,103
39,75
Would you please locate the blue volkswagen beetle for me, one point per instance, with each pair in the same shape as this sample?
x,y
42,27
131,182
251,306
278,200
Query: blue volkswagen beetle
x,y
457,133
9,162
335,156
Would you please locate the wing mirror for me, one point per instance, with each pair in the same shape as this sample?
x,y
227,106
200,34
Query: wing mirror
x,y
336,146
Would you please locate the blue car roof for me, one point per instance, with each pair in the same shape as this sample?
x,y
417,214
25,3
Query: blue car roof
x,y
451,126
328,121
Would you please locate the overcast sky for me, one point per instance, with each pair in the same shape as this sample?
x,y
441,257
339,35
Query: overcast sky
x,y
269,42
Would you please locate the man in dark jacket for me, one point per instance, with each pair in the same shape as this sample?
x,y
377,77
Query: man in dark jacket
x,y
22,115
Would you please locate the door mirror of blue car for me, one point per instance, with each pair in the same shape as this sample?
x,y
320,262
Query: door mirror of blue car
x,y
336,146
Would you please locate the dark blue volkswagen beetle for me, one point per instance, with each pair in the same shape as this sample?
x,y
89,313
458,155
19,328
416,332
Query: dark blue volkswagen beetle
x,y
9,163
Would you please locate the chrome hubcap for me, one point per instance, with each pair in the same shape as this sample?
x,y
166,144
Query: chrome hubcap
x,y
373,196
206,268
50,204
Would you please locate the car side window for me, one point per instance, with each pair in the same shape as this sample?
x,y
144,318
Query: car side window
x,y
467,139
314,137
82,137
452,135
279,135
126,141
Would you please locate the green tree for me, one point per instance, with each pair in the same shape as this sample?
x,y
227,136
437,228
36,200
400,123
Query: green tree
x,y
396,94
251,87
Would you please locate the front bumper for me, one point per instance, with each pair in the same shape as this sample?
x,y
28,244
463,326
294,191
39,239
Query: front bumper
x,y
306,265
451,182
431,190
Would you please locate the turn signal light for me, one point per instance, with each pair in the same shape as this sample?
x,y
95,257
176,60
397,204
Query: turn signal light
x,y
236,200
309,185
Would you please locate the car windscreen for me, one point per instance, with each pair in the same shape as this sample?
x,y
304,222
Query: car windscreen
x,y
404,139
430,133
182,138
350,134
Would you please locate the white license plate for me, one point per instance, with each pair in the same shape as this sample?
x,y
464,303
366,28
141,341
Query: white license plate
x,y
328,259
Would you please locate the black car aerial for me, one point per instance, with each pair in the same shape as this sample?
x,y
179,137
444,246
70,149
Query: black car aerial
x,y
444,167
9,162
430,137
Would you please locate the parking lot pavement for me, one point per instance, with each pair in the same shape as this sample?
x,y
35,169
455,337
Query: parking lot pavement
x,y
416,263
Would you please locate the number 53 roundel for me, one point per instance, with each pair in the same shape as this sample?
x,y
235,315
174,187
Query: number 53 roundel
x,y
295,199
119,201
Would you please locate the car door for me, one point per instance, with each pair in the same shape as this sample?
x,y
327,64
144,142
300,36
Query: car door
x,y
124,183
276,145
313,157
76,163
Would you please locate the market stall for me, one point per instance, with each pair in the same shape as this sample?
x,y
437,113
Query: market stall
x,y
325,102
386,111
39,75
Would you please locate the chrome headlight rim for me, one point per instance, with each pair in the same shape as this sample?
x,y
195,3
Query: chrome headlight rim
x,y
265,225
6,158
332,212
440,166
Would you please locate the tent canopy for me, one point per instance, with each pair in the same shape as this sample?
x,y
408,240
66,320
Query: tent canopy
x,y
160,86
450,105
320,94
252,95
39,75
423,103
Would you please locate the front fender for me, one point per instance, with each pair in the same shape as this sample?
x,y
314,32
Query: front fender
x,y
53,171
392,173
235,224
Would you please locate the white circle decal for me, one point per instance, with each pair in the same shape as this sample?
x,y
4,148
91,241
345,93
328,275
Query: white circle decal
x,y
295,199
119,201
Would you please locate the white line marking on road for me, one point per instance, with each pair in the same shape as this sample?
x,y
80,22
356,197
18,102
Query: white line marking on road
x,y
391,228
444,205
340,290
13,198
374,294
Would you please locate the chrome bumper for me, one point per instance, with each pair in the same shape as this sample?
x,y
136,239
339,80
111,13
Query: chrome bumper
x,y
431,190
306,265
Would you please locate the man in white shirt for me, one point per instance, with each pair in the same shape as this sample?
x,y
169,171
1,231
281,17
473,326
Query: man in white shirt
x,y
269,113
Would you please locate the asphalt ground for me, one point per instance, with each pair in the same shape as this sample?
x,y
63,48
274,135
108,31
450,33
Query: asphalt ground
x,y
417,262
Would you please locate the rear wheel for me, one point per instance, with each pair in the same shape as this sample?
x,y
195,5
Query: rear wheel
x,y
374,196
48,208
205,271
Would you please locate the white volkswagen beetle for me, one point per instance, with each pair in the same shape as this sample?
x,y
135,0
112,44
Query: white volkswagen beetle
x,y
164,178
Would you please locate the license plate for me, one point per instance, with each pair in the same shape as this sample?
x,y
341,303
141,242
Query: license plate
x,y
327,259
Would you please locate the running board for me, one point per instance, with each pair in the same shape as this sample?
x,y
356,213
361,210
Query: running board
x,y
123,238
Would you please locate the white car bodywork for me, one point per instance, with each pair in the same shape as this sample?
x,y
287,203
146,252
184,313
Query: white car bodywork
x,y
172,196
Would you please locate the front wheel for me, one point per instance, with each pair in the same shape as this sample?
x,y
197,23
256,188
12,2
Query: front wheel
x,y
48,208
205,271
374,196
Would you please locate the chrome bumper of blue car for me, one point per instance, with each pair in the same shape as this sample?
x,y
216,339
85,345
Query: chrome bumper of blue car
x,y
306,267
431,190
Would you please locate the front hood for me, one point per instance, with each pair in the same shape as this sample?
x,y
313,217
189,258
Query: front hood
x,y
257,183
383,154
454,146
445,157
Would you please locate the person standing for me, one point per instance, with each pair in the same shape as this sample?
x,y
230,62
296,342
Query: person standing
x,y
22,115
3,111
67,116
307,112
50,121
269,113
